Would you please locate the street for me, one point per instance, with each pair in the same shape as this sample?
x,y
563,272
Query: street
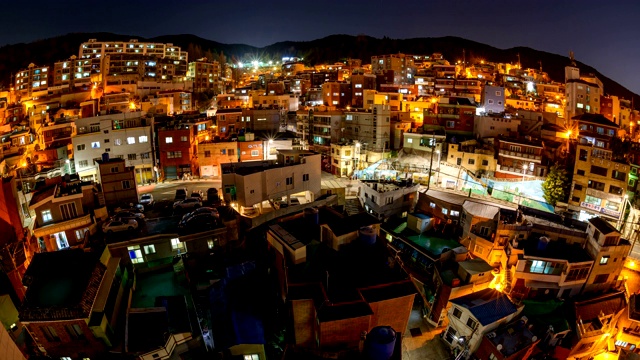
x,y
167,190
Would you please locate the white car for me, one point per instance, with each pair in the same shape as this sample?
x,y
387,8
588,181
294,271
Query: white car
x,y
119,225
188,203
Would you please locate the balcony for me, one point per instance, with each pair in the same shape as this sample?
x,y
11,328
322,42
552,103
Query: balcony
x,y
57,227
520,155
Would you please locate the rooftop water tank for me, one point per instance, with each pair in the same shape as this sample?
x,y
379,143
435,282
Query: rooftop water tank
x,y
367,235
380,343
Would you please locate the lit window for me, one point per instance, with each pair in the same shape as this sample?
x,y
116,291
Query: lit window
x,y
117,142
454,213
255,153
176,244
143,139
445,211
433,205
168,140
135,254
150,249
252,357
46,215
183,138
604,260
131,140
95,145
210,243
409,141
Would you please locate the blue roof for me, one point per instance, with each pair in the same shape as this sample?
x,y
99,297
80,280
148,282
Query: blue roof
x,y
487,306
421,216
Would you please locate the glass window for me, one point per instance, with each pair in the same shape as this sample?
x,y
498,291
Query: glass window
x,y
135,254
176,244
183,138
168,140
46,215
150,249
131,140
143,139
95,145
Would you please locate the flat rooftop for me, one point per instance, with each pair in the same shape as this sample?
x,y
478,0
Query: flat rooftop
x,y
573,253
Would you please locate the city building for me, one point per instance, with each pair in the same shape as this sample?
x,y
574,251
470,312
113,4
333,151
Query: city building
x,y
33,81
126,136
595,321
359,83
344,158
472,156
384,199
247,185
117,181
595,129
63,214
228,121
370,127
492,126
582,93
520,158
473,316
177,147
76,322
71,73
455,114
599,183
492,100
608,251
337,94
176,101
211,155
206,75
402,65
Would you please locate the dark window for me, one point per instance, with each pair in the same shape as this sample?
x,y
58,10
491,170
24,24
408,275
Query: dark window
x,y
577,187
600,279
615,190
596,185
583,155
580,172
457,313
598,170
485,162
622,176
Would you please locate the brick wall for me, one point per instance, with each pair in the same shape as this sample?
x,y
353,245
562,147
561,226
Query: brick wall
x,y
304,322
393,312
74,346
343,333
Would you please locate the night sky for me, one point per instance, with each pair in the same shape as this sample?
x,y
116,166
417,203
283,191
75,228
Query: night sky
x,y
603,34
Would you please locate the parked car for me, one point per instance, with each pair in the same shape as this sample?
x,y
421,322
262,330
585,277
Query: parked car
x,y
188,203
181,194
197,223
118,225
138,208
294,202
197,193
126,215
147,200
201,210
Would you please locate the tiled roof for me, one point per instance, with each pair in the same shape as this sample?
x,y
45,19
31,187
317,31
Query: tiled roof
x,y
596,119
487,306
605,305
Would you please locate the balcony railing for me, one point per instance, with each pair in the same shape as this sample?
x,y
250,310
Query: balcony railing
x,y
520,155
48,229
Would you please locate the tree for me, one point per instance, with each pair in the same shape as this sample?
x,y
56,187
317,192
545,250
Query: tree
x,y
555,186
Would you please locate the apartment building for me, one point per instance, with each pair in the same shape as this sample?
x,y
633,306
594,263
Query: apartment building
x,y
599,183
370,127
470,318
609,251
492,126
473,157
126,136
513,341
547,269
117,181
229,121
211,155
206,75
455,114
267,120
492,99
386,199
62,214
582,93
97,50
336,94
177,147
595,129
520,158
344,158
32,81
249,184
402,65
76,323
71,73
359,83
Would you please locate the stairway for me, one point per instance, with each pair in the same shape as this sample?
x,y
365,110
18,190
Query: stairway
x,y
353,206
508,279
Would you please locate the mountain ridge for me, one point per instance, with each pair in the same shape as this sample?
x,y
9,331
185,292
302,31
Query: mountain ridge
x,y
329,49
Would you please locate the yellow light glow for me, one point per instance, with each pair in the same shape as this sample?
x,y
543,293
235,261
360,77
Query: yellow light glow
x,y
206,137
499,287
569,133
132,105
23,164
632,263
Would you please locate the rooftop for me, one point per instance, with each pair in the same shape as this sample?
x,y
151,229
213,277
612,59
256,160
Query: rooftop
x,y
344,311
601,305
480,209
388,291
488,305
447,197
513,337
573,253
385,186
522,141
66,293
595,119
602,225
475,266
